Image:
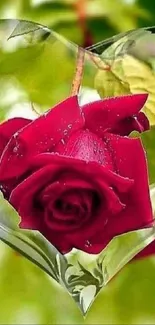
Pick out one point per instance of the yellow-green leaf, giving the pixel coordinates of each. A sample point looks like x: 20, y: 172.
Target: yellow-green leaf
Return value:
x: 109, y: 85
x: 129, y: 75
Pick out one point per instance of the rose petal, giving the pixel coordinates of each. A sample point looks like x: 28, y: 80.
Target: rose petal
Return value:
x: 138, y: 123
x: 122, y: 184
x: 66, y: 182
x: 84, y: 145
x: 100, y: 178
x: 42, y: 135
x: 111, y: 114
x: 8, y: 128
x: 131, y: 161
x: 143, y: 121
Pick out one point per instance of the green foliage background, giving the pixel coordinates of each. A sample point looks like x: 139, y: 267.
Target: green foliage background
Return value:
x: 27, y: 294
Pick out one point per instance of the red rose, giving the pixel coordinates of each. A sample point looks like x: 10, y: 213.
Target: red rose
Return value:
x: 74, y: 175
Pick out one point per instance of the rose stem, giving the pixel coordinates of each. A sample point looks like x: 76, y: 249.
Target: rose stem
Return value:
x: 80, y: 7
x: 79, y: 72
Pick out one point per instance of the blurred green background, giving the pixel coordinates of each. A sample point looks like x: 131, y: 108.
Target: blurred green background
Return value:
x: 27, y: 294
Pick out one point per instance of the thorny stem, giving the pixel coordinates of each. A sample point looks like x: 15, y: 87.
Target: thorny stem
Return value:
x: 79, y: 72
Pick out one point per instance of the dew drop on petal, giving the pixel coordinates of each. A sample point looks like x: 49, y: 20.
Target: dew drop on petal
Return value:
x: 15, y: 135
x: 62, y: 141
x: 65, y: 132
x: 15, y: 149
x: 88, y: 244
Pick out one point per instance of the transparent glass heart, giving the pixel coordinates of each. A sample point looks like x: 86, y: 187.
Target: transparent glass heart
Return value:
x: 37, y: 68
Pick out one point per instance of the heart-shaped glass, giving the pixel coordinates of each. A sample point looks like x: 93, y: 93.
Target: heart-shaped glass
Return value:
x: 38, y: 69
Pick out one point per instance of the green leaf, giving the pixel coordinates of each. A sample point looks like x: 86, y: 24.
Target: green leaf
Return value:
x: 109, y: 85
x: 131, y: 69
x: 129, y: 75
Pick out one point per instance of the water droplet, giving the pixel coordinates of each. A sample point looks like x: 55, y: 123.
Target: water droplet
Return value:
x: 15, y: 135
x: 88, y: 244
x: 95, y: 150
x: 95, y: 143
x: 100, y: 151
x: 69, y: 126
x: 65, y: 132
x: 62, y: 141
x: 15, y: 149
x: 118, y: 115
